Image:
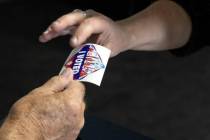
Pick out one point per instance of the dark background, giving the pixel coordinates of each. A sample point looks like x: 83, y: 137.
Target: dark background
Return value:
x: 153, y: 93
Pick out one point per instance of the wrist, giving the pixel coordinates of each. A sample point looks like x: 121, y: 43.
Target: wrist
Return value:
x: 19, y: 130
x: 144, y: 34
x: 127, y: 30
x: 163, y: 25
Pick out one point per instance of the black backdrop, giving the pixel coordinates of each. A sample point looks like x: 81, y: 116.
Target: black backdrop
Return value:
x: 154, y: 93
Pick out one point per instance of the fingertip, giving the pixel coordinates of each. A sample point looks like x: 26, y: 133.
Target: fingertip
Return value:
x: 67, y: 74
x: 60, y: 82
x: 74, y: 41
x: 42, y: 39
x: 55, y: 84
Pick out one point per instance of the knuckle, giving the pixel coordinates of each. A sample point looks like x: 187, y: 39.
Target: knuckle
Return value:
x: 56, y: 79
x: 90, y: 11
x: 95, y: 20
x: 87, y: 22
x: 75, y: 108
x: 36, y: 90
x: 78, y: 87
x: 15, y: 108
x: 76, y: 10
x: 82, y: 122
x: 55, y: 26
x: 92, y: 20
x: 18, y: 107
x: 64, y: 18
x: 60, y: 20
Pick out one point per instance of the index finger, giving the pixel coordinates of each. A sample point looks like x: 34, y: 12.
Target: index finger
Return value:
x: 62, y: 24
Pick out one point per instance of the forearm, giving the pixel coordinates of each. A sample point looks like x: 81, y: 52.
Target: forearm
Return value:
x: 163, y: 25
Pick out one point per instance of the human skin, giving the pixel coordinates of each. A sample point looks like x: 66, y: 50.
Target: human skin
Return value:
x: 56, y: 109
x: 163, y: 25
x: 51, y: 112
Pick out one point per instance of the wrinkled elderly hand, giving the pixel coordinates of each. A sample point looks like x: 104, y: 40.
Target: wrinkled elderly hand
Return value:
x: 51, y: 112
x: 89, y: 26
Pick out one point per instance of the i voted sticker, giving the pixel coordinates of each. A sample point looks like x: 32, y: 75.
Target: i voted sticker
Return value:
x: 88, y: 63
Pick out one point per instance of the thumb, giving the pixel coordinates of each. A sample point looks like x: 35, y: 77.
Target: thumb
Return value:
x: 59, y: 83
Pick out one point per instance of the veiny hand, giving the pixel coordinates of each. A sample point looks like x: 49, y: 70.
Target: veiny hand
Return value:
x: 54, y: 111
x: 89, y: 26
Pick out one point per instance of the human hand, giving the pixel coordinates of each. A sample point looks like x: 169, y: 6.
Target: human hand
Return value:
x: 89, y: 26
x: 53, y: 111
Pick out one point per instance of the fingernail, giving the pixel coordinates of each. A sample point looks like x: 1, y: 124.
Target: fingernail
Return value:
x: 49, y: 29
x: 74, y: 41
x: 56, y: 23
x: 66, y: 73
x: 46, y: 32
